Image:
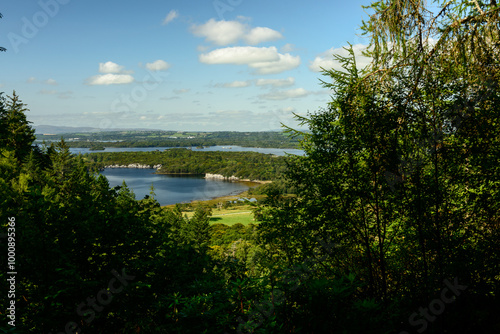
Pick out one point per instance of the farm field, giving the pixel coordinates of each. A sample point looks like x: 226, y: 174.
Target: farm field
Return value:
x: 241, y: 214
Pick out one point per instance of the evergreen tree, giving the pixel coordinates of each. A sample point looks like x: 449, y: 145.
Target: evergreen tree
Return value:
x: 17, y: 134
x: 400, y: 173
x: 198, y: 227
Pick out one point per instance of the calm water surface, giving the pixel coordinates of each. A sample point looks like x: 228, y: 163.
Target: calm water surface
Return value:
x: 171, y: 189
x: 177, y: 189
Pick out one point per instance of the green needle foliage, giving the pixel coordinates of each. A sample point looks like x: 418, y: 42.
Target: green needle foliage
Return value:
x: 401, y: 168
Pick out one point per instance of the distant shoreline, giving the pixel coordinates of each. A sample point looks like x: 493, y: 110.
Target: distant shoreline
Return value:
x: 209, y: 176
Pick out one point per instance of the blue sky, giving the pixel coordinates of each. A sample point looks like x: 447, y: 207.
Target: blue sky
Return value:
x: 210, y: 65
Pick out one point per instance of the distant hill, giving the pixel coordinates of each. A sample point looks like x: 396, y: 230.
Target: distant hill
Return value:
x: 52, y: 129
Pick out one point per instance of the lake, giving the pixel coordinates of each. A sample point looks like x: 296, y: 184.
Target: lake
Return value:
x: 171, y: 189
x: 275, y: 151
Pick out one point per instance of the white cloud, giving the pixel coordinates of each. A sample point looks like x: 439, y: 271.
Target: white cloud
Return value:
x: 158, y: 65
x: 285, y: 94
x: 31, y: 80
x: 114, y: 74
x: 237, y: 84
x: 265, y: 60
x: 220, y: 32
x: 229, y: 32
x: 172, y: 15
x: 110, y: 67
x: 240, y: 55
x: 283, y: 63
x: 110, y: 79
x: 325, y: 60
x: 51, y: 82
x: 262, y: 34
x: 276, y: 82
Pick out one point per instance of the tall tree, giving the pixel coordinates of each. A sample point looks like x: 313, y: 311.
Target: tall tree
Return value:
x: 401, y: 169
x: 17, y: 133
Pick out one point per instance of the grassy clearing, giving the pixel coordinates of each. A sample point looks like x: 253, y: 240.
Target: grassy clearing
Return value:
x: 233, y: 215
x: 236, y: 213
x: 244, y: 217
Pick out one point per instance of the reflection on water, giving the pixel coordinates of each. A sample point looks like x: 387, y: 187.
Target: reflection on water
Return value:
x: 171, y: 189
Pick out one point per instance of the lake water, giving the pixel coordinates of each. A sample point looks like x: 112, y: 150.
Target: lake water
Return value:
x: 171, y: 189
x: 275, y: 151
x: 177, y: 189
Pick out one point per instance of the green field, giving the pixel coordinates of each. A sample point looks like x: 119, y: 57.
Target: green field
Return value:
x: 243, y: 217
x: 241, y: 213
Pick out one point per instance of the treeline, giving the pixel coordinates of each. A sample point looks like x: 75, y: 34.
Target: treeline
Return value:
x: 245, y: 165
x: 174, y: 139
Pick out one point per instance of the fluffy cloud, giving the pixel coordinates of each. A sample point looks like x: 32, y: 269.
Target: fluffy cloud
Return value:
x: 172, y: 15
x: 265, y: 60
x: 276, y: 82
x: 240, y: 55
x: 158, y: 65
x: 114, y: 74
x: 220, y: 32
x: 261, y: 34
x: 110, y: 79
x: 285, y: 94
x: 325, y: 60
x: 110, y: 67
x: 283, y: 63
x: 229, y: 32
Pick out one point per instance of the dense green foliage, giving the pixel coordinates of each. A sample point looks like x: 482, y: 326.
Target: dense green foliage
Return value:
x: 400, y: 185
x: 174, y: 139
x: 15, y: 132
x: 245, y: 165
x: 94, y: 258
